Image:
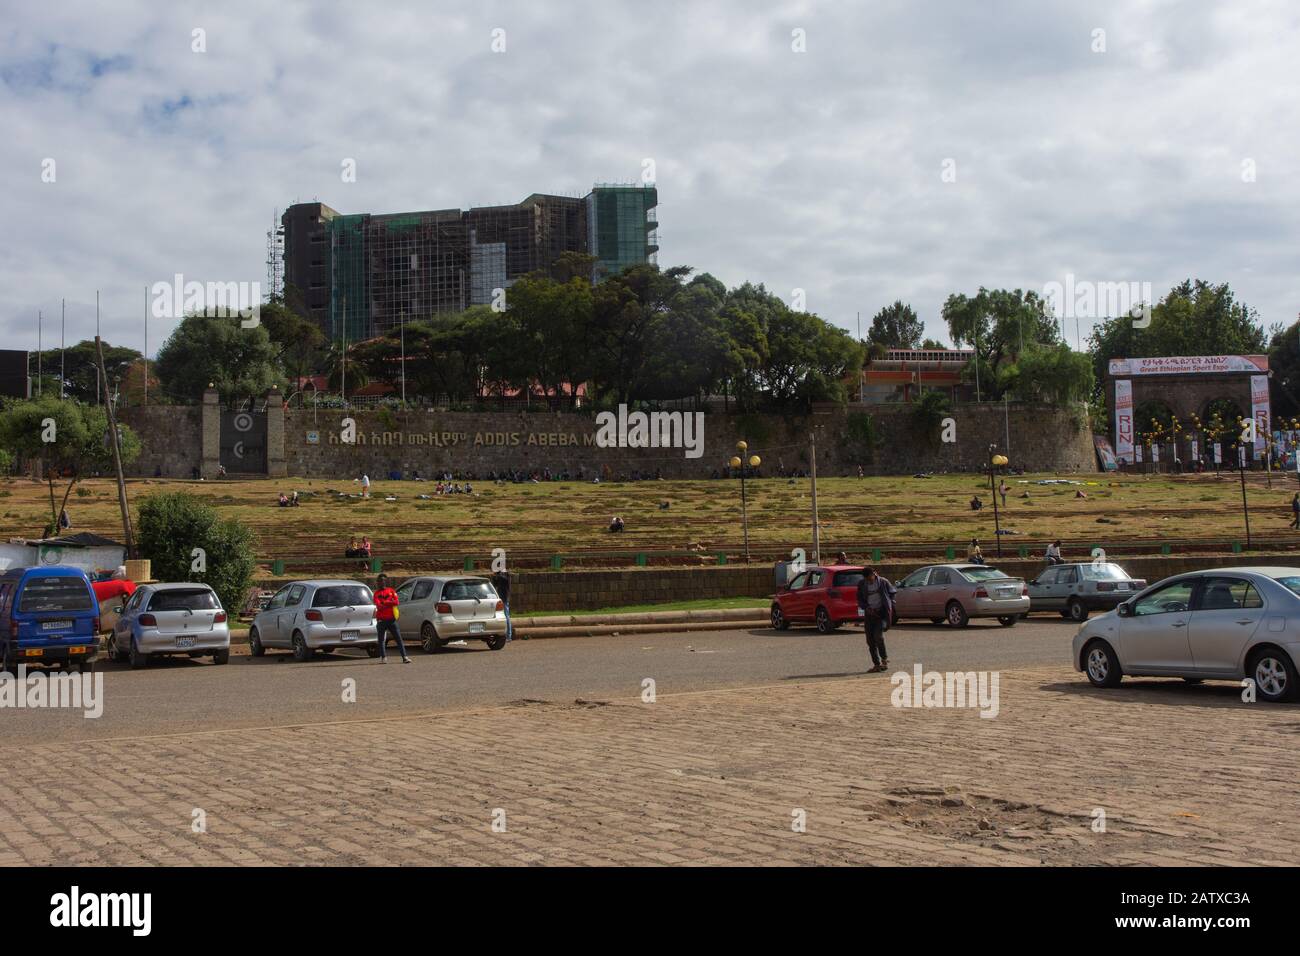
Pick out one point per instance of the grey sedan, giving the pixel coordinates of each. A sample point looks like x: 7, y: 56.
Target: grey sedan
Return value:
x: 438, y: 610
x: 170, y: 619
x: 311, y: 616
x: 1074, y: 590
x: 958, y: 592
x: 1220, y: 624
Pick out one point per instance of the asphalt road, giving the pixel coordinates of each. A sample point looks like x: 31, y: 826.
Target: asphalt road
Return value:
x: 182, y: 696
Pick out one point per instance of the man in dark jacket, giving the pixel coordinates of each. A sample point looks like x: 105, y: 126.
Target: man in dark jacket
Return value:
x: 876, y: 601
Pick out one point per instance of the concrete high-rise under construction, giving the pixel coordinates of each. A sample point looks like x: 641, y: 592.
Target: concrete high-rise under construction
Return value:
x: 361, y: 275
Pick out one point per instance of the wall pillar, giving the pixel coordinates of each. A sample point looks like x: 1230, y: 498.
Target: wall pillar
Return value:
x: 275, y: 463
x: 211, y: 434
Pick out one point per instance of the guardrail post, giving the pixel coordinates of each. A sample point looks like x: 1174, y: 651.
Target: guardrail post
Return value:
x: 876, y: 554
x: 469, y: 564
x: 1024, y: 551
x: 722, y: 557
x: 376, y: 565
x: 641, y: 559
x: 1165, y: 549
x: 557, y: 562
x: 1236, y: 547
x: 951, y: 553
x: 277, y: 567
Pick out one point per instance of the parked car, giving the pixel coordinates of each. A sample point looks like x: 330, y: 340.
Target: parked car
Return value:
x: 958, y: 592
x: 311, y: 616
x: 1075, y: 590
x: 1218, y: 624
x: 48, y: 616
x: 438, y: 610
x: 167, y: 619
x: 825, y: 596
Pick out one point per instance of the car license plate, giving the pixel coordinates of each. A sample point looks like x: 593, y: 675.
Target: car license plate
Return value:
x: 351, y: 635
x: 476, y: 628
x: 1006, y: 592
x: 55, y: 625
x: 184, y: 642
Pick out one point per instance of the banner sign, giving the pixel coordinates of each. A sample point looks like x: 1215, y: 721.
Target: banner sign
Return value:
x: 1123, y: 419
x: 1137, y: 454
x: 1196, y: 450
x: 1260, y: 410
x: 1188, y: 364
x: 1104, y: 453
x: 1218, y: 453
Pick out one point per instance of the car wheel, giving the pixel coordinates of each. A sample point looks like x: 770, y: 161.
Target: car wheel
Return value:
x: 7, y: 663
x: 496, y: 643
x: 301, y: 652
x: 1273, y: 673
x: 779, y: 621
x: 1075, y: 610
x: 137, y: 659
x: 956, y: 614
x: 221, y: 657
x: 429, y: 639
x: 1008, y: 620
x: 1101, y: 665
x: 372, y: 650
x: 114, y: 654
x: 824, y: 623
x: 1025, y: 616
x: 255, y: 643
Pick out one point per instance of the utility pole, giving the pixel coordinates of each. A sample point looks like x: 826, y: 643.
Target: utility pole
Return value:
x: 146, y: 346
x: 1245, y: 508
x: 403, y: 357
x: 100, y: 385
x: 117, y: 451
x: 63, y: 322
x: 817, y: 535
x: 40, y: 319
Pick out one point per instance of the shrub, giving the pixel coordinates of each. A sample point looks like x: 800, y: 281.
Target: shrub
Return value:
x: 172, y: 525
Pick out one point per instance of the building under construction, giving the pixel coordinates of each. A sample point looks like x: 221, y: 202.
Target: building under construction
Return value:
x: 361, y: 275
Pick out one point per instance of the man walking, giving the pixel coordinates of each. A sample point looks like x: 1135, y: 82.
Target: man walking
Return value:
x: 386, y: 602
x: 1295, y: 511
x: 877, y: 611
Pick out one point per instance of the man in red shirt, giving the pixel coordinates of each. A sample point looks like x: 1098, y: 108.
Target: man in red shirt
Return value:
x: 386, y: 602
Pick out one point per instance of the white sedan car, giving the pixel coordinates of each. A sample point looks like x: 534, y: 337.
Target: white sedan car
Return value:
x: 1219, y: 624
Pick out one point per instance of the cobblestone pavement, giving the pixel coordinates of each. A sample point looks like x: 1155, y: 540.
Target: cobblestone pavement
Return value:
x: 1185, y: 775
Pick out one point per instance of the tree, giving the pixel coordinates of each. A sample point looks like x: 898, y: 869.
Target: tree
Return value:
x: 1054, y: 374
x: 999, y: 324
x: 1284, y: 363
x: 241, y: 363
x: 1194, y: 318
x: 80, y: 365
x: 170, y: 528
x: 809, y: 360
x: 69, y: 439
x: 896, y: 327
x: 298, y: 341
x: 933, y: 344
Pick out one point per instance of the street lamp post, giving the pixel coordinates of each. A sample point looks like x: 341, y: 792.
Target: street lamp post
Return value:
x: 995, y: 461
x: 737, y: 461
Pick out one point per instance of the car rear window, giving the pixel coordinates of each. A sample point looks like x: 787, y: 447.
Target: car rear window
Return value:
x: 193, y: 599
x: 983, y: 574
x: 847, y: 579
x: 55, y: 594
x: 343, y: 595
x: 1290, y: 582
x: 468, y: 591
x: 1102, y: 572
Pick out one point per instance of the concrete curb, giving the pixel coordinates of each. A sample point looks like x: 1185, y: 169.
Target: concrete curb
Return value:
x: 599, y: 625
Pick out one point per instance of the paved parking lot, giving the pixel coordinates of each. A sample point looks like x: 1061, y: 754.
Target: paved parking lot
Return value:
x: 723, y: 774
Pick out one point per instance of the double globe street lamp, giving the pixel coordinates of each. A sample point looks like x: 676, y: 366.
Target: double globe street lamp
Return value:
x: 739, y: 461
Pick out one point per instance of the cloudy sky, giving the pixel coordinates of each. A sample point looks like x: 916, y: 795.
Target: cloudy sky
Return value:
x: 910, y: 150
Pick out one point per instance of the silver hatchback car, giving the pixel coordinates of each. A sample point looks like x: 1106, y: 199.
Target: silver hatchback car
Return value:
x: 169, y: 619
x: 1075, y: 590
x: 1219, y: 624
x: 311, y: 616
x: 439, y: 610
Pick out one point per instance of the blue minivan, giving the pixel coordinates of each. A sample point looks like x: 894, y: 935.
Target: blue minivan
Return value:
x: 48, y: 616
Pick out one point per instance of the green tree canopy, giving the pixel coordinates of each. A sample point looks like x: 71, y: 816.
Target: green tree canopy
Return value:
x: 896, y: 327
x: 172, y: 525
x: 241, y: 363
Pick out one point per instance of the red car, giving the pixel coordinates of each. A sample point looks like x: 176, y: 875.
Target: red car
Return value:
x: 826, y: 596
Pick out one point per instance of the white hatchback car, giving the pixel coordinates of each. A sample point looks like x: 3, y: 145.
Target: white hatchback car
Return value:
x: 311, y: 616
x: 1218, y: 624
x: 438, y: 610
x: 170, y: 619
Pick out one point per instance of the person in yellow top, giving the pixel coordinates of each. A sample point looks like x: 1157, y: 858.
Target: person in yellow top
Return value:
x: 974, y: 555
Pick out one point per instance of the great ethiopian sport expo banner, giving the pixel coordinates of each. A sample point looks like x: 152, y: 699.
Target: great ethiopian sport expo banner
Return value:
x: 1260, y: 411
x: 1187, y: 364
x: 1124, y: 420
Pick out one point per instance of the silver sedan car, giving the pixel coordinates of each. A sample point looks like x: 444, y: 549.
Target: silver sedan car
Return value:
x: 958, y: 592
x: 438, y: 610
x: 311, y: 616
x: 168, y: 619
x: 1075, y: 590
x: 1219, y: 624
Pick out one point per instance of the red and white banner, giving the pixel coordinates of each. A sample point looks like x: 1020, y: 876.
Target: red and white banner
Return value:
x: 1188, y: 364
x: 1260, y: 411
x: 1124, y: 420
